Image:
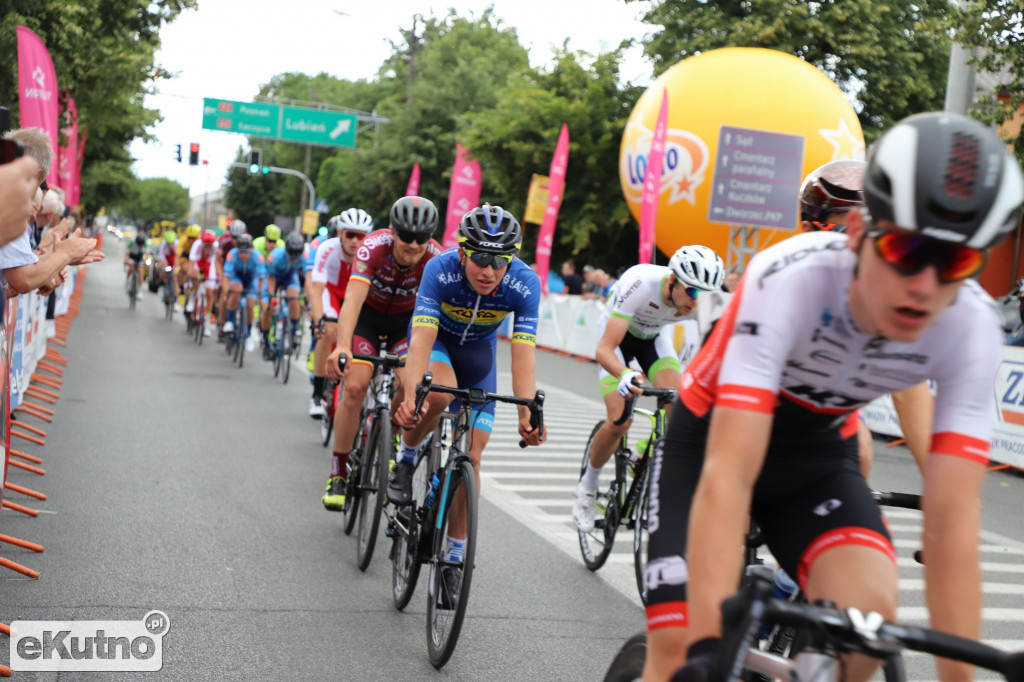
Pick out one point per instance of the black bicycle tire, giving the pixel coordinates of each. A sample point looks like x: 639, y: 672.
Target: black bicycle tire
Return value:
x: 639, y: 524
x: 628, y: 664
x: 201, y: 332
x: 405, y: 550
x: 133, y: 288
x: 286, y: 359
x: 359, y: 449
x: 368, y: 504
x: 243, y: 331
x: 440, y: 649
x: 595, y: 560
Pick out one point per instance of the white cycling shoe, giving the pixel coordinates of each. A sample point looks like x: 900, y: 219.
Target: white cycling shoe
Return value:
x: 229, y: 327
x: 583, y: 509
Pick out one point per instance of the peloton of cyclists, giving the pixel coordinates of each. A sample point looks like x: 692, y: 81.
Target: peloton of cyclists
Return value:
x: 379, y: 300
x: 330, y: 273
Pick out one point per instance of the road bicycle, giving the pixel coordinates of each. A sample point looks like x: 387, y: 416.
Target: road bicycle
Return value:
x: 169, y: 292
x: 198, y: 314
x: 281, y: 336
x: 133, y: 286
x: 371, y: 455
x: 624, y: 501
x: 777, y: 639
x: 235, y: 341
x: 443, y: 475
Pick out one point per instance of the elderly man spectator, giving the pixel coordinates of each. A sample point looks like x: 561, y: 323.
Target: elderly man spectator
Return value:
x: 19, y: 181
x: 21, y: 270
x: 573, y: 282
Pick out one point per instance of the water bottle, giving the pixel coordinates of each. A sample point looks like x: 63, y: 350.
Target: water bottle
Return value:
x: 636, y: 454
x: 434, y: 482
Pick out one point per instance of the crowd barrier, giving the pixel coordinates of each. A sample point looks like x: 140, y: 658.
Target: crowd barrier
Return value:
x: 569, y: 324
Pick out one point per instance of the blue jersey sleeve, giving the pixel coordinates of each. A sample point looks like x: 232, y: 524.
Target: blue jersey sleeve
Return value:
x: 427, y: 312
x: 526, y: 285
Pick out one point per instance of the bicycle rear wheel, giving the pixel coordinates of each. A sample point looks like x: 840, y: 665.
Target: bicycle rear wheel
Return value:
x: 447, y: 598
x: 406, y: 558
x: 286, y: 359
x: 368, y: 504
x: 201, y: 312
x: 133, y: 289
x: 640, y: 534
x: 242, y: 332
x: 360, y: 454
x: 327, y: 421
x: 596, y: 545
x: 628, y: 664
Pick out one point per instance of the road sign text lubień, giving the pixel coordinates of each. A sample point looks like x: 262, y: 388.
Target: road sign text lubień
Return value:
x: 289, y: 124
x: 757, y: 178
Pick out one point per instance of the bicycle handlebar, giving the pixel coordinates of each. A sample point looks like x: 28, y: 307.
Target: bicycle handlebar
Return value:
x: 477, y: 396
x: 743, y: 614
x: 664, y: 396
x: 902, y: 500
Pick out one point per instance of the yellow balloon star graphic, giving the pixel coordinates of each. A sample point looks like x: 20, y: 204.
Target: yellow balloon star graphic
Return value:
x: 845, y: 144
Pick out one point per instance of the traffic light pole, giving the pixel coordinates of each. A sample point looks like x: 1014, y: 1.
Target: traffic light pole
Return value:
x: 288, y: 171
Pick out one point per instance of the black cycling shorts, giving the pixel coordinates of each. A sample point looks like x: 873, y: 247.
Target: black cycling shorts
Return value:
x: 374, y: 326
x: 810, y: 495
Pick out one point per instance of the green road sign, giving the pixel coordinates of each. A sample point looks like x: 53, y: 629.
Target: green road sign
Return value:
x: 249, y: 118
x: 315, y: 126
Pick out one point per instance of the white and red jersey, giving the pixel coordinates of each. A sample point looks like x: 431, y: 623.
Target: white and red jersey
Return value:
x: 167, y: 253
x: 330, y: 269
x: 204, y: 258
x: 788, y: 345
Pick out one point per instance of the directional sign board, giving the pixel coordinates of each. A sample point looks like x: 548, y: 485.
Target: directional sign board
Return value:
x: 249, y: 118
x: 289, y: 124
x: 757, y: 178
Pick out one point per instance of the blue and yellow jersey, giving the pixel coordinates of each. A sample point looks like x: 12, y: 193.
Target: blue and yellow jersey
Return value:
x: 446, y: 301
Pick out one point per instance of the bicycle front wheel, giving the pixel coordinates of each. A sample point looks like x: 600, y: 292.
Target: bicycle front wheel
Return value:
x: 243, y: 332
x: 368, y: 505
x: 450, y: 581
x: 640, y: 534
x: 406, y: 559
x: 596, y: 545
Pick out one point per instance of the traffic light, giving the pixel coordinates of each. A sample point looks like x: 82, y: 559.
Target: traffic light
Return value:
x: 193, y: 154
x: 255, y: 161
x: 178, y: 152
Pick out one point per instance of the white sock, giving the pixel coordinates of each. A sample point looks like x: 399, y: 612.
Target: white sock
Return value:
x: 590, y: 476
x: 407, y: 453
x: 453, y: 548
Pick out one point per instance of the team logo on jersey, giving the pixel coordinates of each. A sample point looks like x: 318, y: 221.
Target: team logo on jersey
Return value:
x: 749, y: 328
x: 827, y: 507
x: 826, y: 317
x: 360, y: 266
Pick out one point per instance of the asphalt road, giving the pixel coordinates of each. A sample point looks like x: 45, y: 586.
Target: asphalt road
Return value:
x: 180, y: 483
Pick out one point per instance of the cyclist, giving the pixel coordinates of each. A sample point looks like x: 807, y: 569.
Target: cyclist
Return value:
x: 181, y: 273
x: 284, y: 272
x: 245, y: 270
x: 225, y: 243
x: 331, y: 270
x: 820, y: 324
x: 167, y: 255
x: 465, y: 295
x: 270, y: 240
x: 200, y: 267
x: 133, y: 261
x: 827, y: 196
x: 308, y: 258
x: 385, y: 276
x: 636, y: 324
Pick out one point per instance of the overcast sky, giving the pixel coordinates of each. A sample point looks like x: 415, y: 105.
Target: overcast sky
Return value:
x: 228, y: 48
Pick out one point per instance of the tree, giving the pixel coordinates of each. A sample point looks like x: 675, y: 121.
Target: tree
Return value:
x: 155, y: 199
x: 889, y: 56
x: 252, y: 197
x: 103, y: 53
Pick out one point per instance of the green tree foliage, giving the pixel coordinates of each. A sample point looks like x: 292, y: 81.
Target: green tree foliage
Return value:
x: 995, y: 29
x: 252, y: 197
x: 102, y: 51
x: 155, y: 199
x: 891, y: 56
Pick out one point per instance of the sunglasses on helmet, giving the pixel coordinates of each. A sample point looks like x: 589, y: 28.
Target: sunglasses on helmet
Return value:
x: 484, y: 259
x: 410, y: 237
x: 910, y: 253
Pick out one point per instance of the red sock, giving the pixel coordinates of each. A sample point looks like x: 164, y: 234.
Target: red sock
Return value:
x: 338, y: 462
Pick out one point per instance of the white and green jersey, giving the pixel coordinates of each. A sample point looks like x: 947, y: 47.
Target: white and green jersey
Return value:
x: 637, y: 297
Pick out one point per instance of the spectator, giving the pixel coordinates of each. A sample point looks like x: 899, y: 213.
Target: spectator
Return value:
x: 605, y: 284
x: 1017, y: 337
x: 19, y: 181
x: 573, y: 282
x: 731, y: 280
x: 22, y: 271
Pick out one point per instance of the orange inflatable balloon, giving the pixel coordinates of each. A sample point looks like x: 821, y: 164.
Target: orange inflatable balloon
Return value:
x: 745, y: 125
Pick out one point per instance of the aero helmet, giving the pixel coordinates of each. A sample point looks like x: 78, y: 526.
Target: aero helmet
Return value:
x: 237, y: 228
x: 294, y: 244
x: 698, y: 266
x: 414, y: 214
x: 170, y: 236
x: 490, y: 229
x: 272, y: 232
x: 193, y: 231
x: 946, y: 176
x: 355, y: 220
x: 208, y: 237
x: 834, y: 187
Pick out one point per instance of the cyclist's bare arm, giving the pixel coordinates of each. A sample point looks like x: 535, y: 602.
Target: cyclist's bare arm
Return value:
x: 614, y: 332
x: 524, y: 385
x: 915, y: 408
x: 355, y: 295
x: 316, y: 302
x: 421, y: 340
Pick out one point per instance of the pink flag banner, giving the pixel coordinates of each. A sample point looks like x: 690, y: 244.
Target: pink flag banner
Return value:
x: 652, y: 184
x: 78, y: 169
x: 37, y: 91
x: 67, y: 157
x: 556, y: 187
x: 413, y: 188
x: 463, y: 194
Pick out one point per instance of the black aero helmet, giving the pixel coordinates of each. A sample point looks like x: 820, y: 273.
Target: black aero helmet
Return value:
x: 294, y: 244
x: 244, y: 242
x: 946, y: 176
x: 490, y: 229
x: 414, y: 214
x: 831, y: 188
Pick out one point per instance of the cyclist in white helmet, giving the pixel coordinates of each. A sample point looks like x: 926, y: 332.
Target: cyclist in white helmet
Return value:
x: 225, y: 243
x: 637, y: 325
